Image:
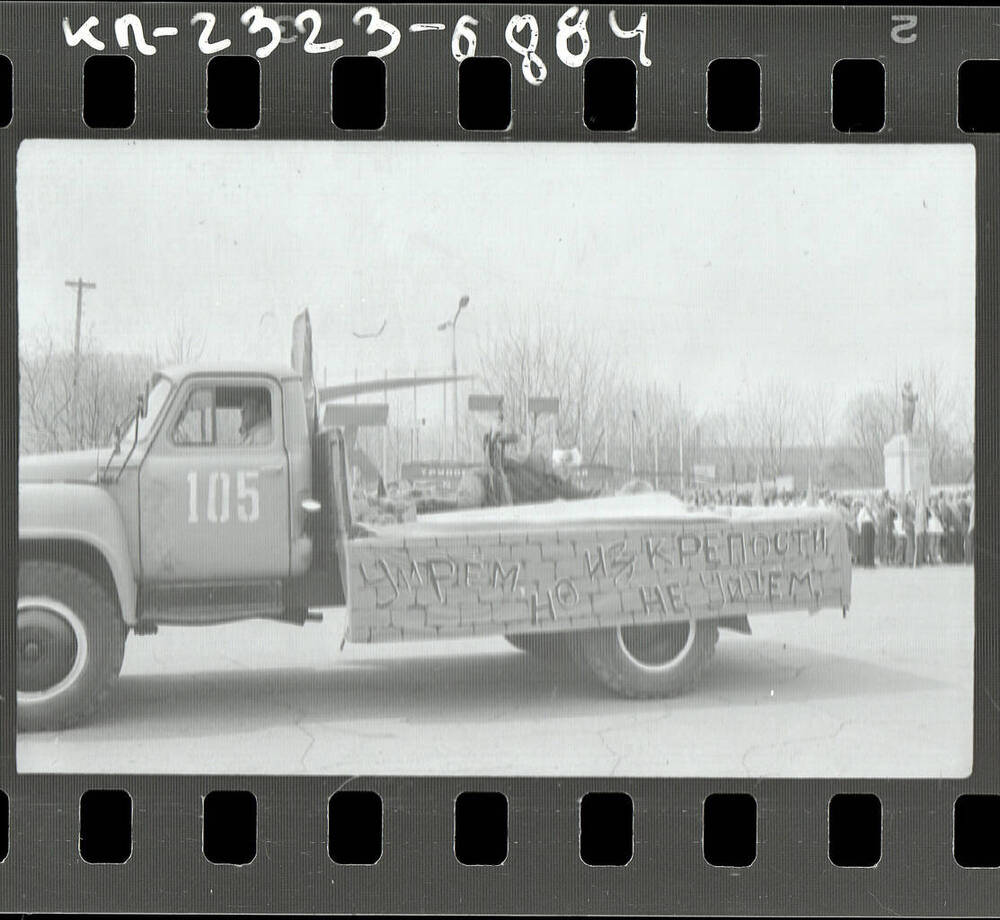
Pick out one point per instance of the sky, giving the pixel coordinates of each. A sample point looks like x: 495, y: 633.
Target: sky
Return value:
x: 707, y: 265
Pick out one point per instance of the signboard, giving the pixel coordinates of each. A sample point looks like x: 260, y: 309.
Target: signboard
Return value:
x: 355, y: 415
x: 453, y: 581
x: 591, y: 475
x: 479, y: 402
x: 781, y: 484
x: 703, y: 472
x: 543, y: 405
x: 440, y: 474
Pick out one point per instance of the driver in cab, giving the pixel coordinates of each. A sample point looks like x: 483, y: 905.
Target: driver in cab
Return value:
x: 255, y: 427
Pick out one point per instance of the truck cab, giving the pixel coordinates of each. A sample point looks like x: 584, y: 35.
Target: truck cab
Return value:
x: 209, y: 485
x: 220, y: 492
x: 203, y: 512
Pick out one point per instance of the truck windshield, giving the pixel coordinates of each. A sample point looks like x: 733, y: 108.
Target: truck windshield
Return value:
x: 158, y: 393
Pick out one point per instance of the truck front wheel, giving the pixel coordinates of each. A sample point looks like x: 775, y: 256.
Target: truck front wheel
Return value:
x: 70, y: 644
x: 649, y: 661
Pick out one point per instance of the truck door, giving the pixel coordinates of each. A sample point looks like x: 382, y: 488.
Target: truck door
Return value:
x: 213, y: 489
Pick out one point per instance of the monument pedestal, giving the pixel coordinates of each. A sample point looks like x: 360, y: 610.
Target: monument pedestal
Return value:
x: 907, y: 465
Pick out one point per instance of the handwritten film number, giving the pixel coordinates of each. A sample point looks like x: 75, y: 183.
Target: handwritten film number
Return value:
x: 522, y: 35
x: 902, y: 32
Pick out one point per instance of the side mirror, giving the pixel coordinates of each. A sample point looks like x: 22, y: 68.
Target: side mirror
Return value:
x: 140, y: 401
x: 118, y: 437
x: 311, y: 506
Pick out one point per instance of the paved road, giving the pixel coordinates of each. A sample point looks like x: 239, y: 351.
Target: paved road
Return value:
x: 885, y: 692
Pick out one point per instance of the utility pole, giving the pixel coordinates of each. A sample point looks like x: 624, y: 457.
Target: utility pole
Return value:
x: 80, y: 285
x: 463, y: 302
x: 454, y: 373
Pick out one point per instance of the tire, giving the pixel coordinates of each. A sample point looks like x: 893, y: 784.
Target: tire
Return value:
x: 550, y: 646
x: 70, y: 643
x: 649, y: 661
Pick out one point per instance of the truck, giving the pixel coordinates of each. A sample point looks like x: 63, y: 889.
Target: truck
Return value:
x: 226, y: 497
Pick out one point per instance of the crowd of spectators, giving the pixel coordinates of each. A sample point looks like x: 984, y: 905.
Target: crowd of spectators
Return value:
x: 882, y: 529
x: 930, y: 527
x: 915, y: 530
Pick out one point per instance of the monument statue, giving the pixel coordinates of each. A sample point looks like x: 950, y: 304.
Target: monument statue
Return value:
x: 907, y: 461
x: 909, y: 407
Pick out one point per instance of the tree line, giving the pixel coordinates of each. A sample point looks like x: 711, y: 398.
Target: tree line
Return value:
x: 626, y: 423
x: 645, y: 425
x: 70, y: 401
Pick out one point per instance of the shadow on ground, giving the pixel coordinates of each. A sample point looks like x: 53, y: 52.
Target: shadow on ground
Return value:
x: 490, y: 687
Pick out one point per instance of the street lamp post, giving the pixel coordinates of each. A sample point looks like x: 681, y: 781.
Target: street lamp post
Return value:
x: 385, y: 393
x: 462, y: 304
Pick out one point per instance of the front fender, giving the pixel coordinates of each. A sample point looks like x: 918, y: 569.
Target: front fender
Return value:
x: 86, y: 514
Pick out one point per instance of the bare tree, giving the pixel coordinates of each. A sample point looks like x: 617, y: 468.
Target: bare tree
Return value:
x: 677, y: 429
x: 937, y: 417
x: 182, y: 346
x: 765, y: 420
x: 725, y: 431
x: 868, y: 424
x: 964, y: 440
x: 45, y: 405
x: 818, y: 421
x: 573, y: 365
x: 107, y: 387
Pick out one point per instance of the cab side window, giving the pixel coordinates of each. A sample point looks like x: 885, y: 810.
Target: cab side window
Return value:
x: 243, y: 416
x: 195, y: 425
x: 226, y: 416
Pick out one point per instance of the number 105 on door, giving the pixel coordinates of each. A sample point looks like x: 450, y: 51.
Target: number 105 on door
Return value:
x: 215, y: 496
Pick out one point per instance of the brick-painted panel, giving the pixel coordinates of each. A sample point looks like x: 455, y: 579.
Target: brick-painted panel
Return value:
x: 425, y: 586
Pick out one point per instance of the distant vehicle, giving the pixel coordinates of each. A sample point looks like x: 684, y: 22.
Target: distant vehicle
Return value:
x: 226, y: 498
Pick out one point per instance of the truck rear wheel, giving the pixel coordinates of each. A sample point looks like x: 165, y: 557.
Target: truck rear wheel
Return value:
x: 649, y: 661
x: 70, y: 644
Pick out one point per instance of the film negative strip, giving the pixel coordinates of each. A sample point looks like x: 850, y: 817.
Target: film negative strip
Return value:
x: 490, y: 458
